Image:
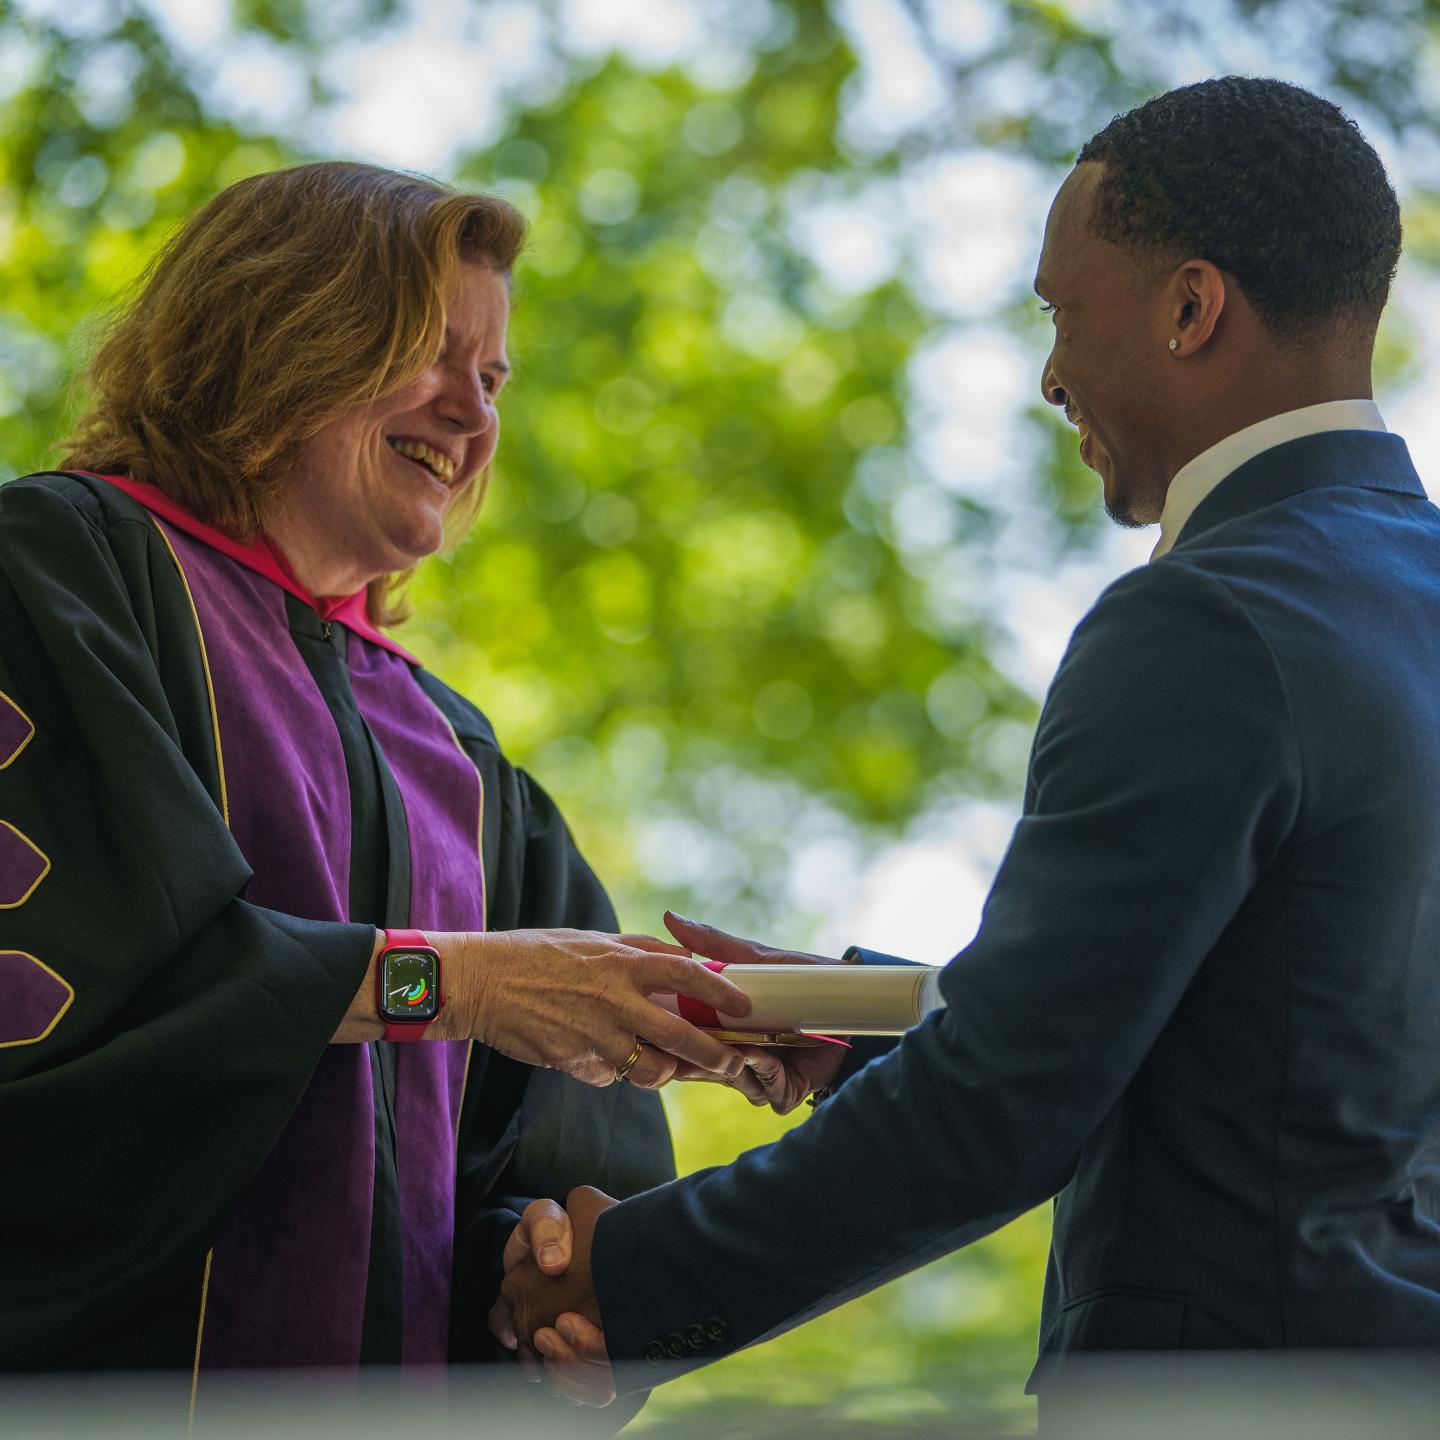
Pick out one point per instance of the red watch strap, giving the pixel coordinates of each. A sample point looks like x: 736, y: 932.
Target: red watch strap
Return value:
x: 408, y: 940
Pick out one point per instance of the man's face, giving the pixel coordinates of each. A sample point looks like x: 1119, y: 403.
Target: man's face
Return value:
x: 1104, y: 363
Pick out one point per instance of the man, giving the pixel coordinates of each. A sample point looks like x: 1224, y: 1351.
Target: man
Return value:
x: 1203, y: 1006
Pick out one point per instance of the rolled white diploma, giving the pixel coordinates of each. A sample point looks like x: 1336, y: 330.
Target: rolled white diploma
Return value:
x: 823, y: 999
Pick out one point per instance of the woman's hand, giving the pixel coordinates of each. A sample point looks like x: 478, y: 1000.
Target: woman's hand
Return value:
x: 576, y: 1000
x: 779, y: 1076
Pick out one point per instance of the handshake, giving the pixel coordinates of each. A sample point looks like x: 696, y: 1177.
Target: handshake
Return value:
x: 548, y: 1312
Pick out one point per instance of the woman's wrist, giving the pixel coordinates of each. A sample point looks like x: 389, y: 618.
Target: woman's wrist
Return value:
x: 471, y: 962
x: 361, y: 1021
x: 467, y: 969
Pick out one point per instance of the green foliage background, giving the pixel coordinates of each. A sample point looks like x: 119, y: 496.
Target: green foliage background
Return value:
x: 691, y: 606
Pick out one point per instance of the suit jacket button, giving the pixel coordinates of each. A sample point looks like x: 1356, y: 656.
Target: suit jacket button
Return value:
x: 695, y: 1337
x: 675, y: 1347
x: 655, y: 1353
x: 717, y: 1329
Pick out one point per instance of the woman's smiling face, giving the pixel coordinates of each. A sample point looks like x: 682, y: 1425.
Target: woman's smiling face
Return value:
x: 371, y: 490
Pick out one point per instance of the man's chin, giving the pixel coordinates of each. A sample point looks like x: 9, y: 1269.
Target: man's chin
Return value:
x: 1122, y: 516
x: 1121, y: 504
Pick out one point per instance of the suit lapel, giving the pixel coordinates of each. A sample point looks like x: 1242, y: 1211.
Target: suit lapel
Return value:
x: 1360, y: 459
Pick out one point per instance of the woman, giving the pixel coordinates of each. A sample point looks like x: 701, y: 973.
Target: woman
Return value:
x: 221, y: 784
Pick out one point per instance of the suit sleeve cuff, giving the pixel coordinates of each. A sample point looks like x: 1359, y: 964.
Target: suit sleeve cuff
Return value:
x: 855, y: 955
x: 866, y: 1048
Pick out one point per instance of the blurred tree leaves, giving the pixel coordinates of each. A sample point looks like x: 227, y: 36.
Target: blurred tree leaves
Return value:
x: 713, y: 547
x: 692, y: 529
x: 106, y: 146
x: 720, y: 599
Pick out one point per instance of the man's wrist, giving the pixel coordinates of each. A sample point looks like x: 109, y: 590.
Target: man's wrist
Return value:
x: 858, y: 955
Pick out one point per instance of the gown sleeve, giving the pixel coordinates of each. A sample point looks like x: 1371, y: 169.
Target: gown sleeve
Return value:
x: 156, y: 1030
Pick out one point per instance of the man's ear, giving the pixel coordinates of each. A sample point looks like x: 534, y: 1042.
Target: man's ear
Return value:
x: 1197, y: 299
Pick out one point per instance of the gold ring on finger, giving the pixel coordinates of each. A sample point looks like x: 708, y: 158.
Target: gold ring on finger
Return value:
x: 621, y: 1071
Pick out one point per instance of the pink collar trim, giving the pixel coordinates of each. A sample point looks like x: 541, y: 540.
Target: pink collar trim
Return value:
x: 262, y: 556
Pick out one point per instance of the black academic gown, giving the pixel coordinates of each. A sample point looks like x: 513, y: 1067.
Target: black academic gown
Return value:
x: 163, y: 1028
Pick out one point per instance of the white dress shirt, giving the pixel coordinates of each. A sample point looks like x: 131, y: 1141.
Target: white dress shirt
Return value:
x: 1194, y: 481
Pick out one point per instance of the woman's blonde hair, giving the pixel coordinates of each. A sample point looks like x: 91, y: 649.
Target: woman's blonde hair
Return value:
x: 281, y: 303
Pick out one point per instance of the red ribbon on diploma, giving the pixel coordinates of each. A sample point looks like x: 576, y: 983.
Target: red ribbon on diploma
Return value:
x: 697, y: 1012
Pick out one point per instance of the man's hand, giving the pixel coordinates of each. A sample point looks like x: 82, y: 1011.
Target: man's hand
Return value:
x: 779, y: 1076
x: 577, y: 1361
x: 716, y: 944
x: 573, y: 1349
x: 543, y: 1298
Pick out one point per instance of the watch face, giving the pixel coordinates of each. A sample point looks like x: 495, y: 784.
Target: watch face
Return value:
x: 409, y: 991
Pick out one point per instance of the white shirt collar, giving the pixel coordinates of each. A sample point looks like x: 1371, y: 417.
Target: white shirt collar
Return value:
x: 1194, y: 481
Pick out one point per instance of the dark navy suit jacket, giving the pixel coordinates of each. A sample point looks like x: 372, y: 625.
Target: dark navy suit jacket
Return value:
x: 1203, y: 1005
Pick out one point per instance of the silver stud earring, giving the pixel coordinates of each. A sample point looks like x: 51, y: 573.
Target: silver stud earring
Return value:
x: 1174, y: 344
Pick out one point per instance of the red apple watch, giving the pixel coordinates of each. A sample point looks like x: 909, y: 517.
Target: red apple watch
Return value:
x: 407, y: 981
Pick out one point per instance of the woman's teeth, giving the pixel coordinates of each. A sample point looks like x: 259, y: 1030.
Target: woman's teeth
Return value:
x: 439, y: 465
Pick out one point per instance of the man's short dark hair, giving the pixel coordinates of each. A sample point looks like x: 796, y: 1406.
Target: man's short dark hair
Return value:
x: 1263, y: 179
